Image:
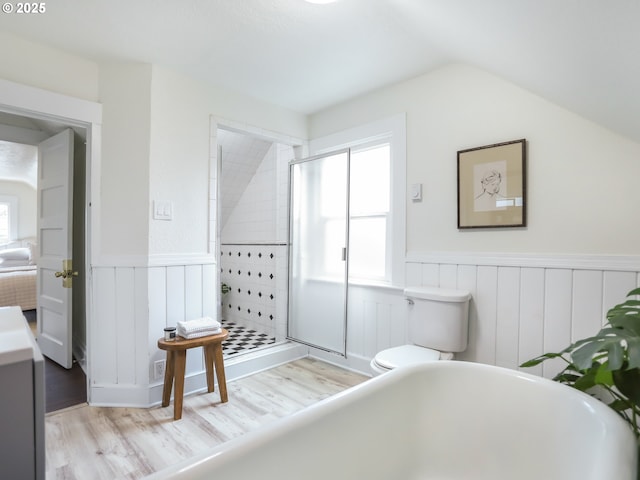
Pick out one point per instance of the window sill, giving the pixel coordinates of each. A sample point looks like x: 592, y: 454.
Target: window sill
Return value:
x: 378, y: 285
x: 361, y: 283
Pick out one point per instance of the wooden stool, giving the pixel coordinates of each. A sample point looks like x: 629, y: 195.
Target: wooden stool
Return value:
x: 176, y: 360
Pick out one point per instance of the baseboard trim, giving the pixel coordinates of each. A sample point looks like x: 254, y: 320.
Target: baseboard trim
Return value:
x: 235, y: 368
x: 355, y: 363
x: 118, y: 396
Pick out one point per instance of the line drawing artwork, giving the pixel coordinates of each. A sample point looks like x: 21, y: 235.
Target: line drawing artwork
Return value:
x: 489, y: 185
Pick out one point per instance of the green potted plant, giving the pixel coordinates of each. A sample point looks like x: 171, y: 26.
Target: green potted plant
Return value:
x: 607, y: 365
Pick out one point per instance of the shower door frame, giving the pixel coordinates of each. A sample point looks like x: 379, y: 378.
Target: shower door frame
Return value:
x: 345, y: 251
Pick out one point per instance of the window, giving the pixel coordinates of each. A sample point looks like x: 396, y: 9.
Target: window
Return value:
x: 8, y: 218
x: 369, y: 209
x: 4, y: 222
x: 377, y: 199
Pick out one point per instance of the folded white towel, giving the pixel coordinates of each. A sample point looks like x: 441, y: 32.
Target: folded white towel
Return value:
x: 203, y: 333
x: 197, y: 325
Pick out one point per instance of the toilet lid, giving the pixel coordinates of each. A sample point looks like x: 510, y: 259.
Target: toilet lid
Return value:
x: 406, y: 355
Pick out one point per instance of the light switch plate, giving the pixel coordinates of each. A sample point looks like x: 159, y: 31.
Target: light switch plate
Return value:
x: 162, y: 210
x: 416, y: 191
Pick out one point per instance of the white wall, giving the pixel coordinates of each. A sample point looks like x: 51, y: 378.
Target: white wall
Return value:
x: 27, y: 215
x: 578, y: 256
x: 40, y: 66
x: 124, y: 169
x: 155, y: 145
x: 176, y: 280
x: 582, y: 186
x: 181, y: 147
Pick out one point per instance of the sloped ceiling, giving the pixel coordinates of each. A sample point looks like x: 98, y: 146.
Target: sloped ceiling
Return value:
x: 241, y: 156
x: 581, y: 54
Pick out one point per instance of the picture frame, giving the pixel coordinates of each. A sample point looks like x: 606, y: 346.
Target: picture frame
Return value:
x: 492, y: 186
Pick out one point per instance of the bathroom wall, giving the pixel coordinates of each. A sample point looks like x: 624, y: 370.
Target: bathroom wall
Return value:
x: 525, y: 305
x: 25, y: 63
x: 574, y: 165
x: 154, y: 273
x: 182, y: 154
x: 535, y: 289
x: 177, y: 280
x: 145, y: 273
x: 27, y: 215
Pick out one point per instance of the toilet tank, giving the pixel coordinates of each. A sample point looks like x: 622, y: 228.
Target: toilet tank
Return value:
x: 438, y: 318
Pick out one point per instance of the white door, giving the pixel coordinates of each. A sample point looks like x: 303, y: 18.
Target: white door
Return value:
x: 55, y: 192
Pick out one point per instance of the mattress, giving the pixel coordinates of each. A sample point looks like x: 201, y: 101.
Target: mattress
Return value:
x: 18, y: 287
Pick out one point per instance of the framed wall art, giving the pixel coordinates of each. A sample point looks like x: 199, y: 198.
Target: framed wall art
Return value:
x: 492, y: 186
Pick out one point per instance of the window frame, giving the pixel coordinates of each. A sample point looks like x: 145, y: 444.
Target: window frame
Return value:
x: 390, y: 130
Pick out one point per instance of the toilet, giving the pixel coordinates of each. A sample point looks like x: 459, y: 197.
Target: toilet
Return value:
x: 438, y: 321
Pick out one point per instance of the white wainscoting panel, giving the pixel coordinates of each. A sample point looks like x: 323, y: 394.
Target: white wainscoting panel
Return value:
x: 521, y: 307
x: 132, y: 305
x: 525, y: 306
x: 376, y: 319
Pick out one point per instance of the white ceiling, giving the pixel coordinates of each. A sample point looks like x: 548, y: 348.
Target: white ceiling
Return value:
x: 581, y: 54
x: 18, y: 162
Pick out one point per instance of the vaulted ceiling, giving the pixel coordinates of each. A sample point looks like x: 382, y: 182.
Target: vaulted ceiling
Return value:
x: 581, y: 54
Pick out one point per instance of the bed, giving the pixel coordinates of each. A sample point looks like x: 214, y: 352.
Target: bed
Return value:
x: 17, y: 278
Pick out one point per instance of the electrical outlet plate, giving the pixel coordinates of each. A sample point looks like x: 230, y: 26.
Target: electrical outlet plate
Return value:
x: 158, y: 368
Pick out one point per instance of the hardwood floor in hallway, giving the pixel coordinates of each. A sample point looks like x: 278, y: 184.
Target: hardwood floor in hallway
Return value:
x: 129, y: 443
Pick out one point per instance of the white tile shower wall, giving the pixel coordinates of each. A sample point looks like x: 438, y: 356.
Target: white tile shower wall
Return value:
x: 253, y: 219
x: 241, y: 157
x: 255, y: 276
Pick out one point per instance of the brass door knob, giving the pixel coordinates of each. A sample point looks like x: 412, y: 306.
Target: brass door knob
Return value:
x: 67, y: 273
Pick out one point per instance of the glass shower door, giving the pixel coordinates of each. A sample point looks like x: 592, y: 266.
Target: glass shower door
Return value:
x: 319, y: 230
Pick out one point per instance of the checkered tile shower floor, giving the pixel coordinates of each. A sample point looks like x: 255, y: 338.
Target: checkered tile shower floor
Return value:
x: 241, y: 339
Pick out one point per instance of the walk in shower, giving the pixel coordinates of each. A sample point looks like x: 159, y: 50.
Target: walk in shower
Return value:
x: 253, y: 236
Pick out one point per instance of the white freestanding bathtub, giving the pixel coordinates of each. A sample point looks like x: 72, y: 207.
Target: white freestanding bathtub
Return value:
x: 446, y: 420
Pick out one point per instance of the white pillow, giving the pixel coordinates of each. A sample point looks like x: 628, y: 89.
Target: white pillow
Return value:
x: 33, y: 253
x: 13, y: 263
x: 23, y: 254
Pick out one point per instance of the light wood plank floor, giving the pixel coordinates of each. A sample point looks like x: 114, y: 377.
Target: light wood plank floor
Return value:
x: 111, y: 443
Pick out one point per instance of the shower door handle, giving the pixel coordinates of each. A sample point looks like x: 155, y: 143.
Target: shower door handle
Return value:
x: 344, y: 254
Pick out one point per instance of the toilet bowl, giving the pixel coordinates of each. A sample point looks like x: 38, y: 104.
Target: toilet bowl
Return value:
x: 438, y: 326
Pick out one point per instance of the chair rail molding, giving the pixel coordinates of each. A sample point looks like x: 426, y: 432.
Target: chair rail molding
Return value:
x: 622, y: 263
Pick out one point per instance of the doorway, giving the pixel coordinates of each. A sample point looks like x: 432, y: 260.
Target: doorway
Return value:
x: 251, y: 232
x: 24, y: 132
